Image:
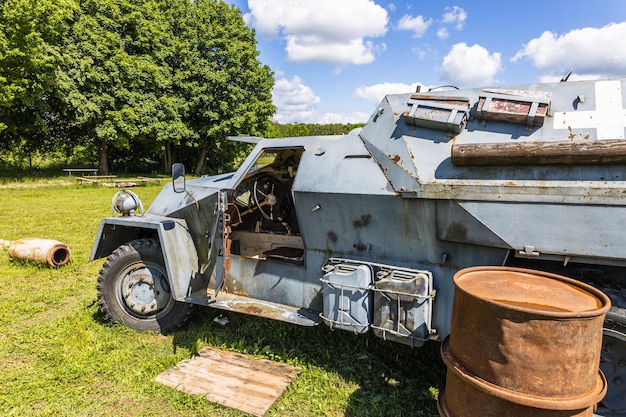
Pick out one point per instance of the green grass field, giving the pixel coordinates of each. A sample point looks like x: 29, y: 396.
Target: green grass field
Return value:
x: 59, y: 357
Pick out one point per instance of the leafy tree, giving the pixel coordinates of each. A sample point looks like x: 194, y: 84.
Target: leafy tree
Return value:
x: 217, y: 73
x: 30, y: 35
x: 118, y: 89
x: 148, y: 77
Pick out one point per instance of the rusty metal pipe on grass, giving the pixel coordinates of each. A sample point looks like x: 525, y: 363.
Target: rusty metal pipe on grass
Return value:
x: 48, y: 252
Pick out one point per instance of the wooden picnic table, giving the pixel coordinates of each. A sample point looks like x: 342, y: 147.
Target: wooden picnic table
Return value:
x: 81, y: 170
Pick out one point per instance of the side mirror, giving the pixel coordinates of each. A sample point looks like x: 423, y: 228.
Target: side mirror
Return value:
x: 178, y: 178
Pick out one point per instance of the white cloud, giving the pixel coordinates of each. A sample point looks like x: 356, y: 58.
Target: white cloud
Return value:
x: 418, y: 25
x: 587, y: 51
x: 375, y: 93
x: 455, y: 16
x: 422, y: 51
x: 327, y: 31
x: 296, y: 103
x: 443, y: 33
x: 314, y: 49
x: 293, y: 96
x: 469, y: 65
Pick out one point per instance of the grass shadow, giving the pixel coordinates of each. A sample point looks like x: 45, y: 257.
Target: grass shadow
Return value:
x: 387, y: 378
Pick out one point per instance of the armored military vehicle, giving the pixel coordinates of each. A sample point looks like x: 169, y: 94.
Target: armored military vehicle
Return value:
x: 365, y: 231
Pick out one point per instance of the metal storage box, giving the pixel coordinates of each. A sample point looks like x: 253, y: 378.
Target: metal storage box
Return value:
x: 522, y: 107
x: 441, y: 113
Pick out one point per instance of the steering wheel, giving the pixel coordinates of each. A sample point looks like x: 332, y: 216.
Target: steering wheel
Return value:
x: 272, y: 198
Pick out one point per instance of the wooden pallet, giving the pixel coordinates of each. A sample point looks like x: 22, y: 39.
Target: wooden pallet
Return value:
x: 231, y: 379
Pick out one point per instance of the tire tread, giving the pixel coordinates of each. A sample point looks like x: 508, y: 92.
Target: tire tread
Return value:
x: 138, y: 248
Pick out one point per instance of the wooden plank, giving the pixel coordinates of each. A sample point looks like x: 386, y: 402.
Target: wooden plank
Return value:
x: 240, y: 360
x: 87, y: 180
x: 127, y: 180
x: 599, y: 152
x: 231, y: 379
x: 94, y: 179
x: 148, y: 179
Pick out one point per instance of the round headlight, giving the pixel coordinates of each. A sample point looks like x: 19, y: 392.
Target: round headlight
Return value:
x: 126, y: 204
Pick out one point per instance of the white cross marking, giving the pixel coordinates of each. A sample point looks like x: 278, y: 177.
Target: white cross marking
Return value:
x: 609, y: 117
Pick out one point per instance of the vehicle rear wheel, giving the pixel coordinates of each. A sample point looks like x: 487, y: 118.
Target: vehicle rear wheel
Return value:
x: 133, y: 289
x: 613, y: 363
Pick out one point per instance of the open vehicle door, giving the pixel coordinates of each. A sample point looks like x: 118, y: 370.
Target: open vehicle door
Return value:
x: 219, y: 229
x: 218, y: 240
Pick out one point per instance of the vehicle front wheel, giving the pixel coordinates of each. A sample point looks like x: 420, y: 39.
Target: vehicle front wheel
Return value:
x: 133, y: 289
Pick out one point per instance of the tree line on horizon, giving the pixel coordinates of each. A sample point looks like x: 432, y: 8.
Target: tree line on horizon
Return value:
x: 136, y: 84
x: 278, y: 130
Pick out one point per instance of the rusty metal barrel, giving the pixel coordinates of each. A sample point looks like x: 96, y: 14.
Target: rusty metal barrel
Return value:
x: 525, y: 343
x: 45, y: 251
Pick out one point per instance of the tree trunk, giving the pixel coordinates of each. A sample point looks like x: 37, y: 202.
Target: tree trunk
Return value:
x: 103, y: 165
x: 167, y: 158
x: 201, y: 160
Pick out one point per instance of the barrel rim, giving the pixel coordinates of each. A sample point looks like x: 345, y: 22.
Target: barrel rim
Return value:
x: 442, y: 405
x: 577, y: 402
x: 65, y: 254
x: 604, y: 299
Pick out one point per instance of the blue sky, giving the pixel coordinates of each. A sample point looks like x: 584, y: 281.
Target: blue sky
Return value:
x: 334, y: 60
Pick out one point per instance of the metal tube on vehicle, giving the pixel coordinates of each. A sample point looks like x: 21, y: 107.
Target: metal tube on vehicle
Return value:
x: 44, y: 251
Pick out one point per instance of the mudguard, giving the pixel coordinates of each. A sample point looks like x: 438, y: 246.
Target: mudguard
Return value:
x: 179, y: 252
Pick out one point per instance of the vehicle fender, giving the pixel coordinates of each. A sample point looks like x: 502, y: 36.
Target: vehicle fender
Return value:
x: 179, y: 251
